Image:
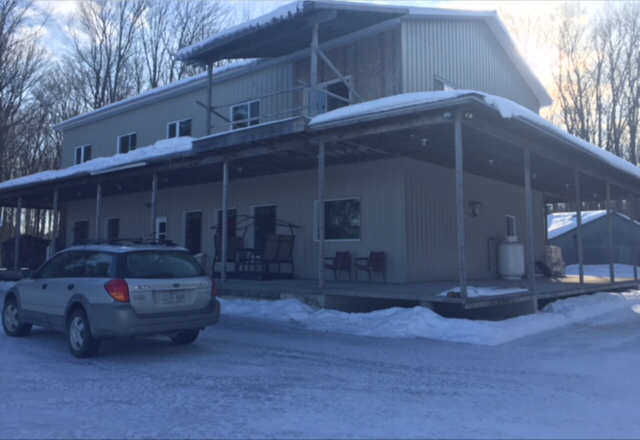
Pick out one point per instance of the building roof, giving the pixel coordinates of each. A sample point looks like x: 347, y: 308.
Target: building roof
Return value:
x: 560, y: 223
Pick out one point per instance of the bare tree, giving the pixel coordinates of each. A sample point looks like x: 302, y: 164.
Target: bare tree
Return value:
x: 169, y: 26
x: 102, y: 39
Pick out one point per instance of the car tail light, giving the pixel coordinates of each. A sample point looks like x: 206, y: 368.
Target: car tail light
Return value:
x: 118, y: 289
x: 214, y: 288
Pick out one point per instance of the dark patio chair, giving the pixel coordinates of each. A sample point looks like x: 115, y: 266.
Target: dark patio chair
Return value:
x: 235, y: 251
x: 341, y: 261
x: 374, y: 263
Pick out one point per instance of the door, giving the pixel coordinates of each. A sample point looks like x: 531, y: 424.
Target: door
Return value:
x: 264, y: 224
x: 193, y: 232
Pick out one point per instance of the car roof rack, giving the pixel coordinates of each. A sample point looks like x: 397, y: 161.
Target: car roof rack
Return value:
x: 138, y: 240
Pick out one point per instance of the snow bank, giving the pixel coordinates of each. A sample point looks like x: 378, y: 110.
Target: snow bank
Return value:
x: 420, y: 322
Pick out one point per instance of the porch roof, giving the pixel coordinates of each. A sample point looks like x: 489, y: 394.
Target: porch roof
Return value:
x: 493, y: 147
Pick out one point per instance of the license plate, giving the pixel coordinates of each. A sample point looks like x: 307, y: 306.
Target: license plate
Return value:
x: 175, y: 297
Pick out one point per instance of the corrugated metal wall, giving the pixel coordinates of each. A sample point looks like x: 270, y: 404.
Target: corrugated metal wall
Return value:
x: 432, y: 249
x: 150, y: 121
x: 464, y: 53
x: 379, y: 185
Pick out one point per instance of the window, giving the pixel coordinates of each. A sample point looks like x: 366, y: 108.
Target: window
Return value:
x: 331, y: 96
x: 98, y: 264
x: 246, y: 115
x: 113, y: 228
x: 161, y: 228
x: 179, y: 128
x: 54, y: 267
x: 511, y: 226
x: 127, y: 142
x: 80, y: 230
x: 231, y: 222
x: 263, y: 225
x: 83, y: 154
x: 193, y: 231
x: 341, y: 219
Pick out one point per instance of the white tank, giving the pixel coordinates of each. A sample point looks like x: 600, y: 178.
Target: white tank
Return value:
x: 511, y: 259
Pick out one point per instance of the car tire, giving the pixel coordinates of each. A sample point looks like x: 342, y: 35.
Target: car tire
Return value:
x: 184, y: 337
x: 11, y: 320
x: 81, y: 343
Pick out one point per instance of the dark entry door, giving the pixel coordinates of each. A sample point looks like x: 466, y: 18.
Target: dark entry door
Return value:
x: 264, y: 224
x: 193, y: 232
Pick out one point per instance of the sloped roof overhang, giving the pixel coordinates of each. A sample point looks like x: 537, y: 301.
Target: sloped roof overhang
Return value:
x: 492, y: 147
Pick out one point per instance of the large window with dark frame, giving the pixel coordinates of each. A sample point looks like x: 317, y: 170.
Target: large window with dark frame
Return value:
x: 127, y: 142
x: 341, y: 219
x: 245, y: 115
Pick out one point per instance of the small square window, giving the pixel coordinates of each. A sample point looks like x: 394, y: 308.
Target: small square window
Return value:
x: 127, y: 142
x: 245, y: 115
x: 179, y: 128
x: 83, y: 154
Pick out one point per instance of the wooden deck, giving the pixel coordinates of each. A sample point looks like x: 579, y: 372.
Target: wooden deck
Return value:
x: 426, y: 294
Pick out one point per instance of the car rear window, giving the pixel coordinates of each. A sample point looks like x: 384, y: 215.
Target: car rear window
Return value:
x: 161, y: 264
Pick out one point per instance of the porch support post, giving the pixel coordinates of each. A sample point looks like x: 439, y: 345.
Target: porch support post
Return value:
x: 225, y: 223
x: 98, y: 209
x: 209, y: 95
x: 579, y: 229
x: 313, y: 105
x: 154, y: 200
x: 16, y: 250
x: 529, y: 212
x: 634, y: 245
x: 54, y: 226
x: 460, y: 211
x: 321, y: 224
x: 612, y: 274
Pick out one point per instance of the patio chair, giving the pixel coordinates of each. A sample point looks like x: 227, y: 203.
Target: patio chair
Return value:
x: 375, y: 262
x: 278, y: 249
x: 235, y: 251
x: 341, y: 261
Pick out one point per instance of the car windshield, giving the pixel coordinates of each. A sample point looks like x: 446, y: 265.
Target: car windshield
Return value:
x: 162, y: 264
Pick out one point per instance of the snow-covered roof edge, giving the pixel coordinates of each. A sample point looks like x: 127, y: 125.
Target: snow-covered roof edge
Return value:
x: 406, y: 102
x: 153, y: 95
x: 138, y: 157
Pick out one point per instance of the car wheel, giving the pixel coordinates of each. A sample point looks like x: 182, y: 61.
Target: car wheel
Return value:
x: 81, y: 343
x: 11, y: 320
x: 185, y: 337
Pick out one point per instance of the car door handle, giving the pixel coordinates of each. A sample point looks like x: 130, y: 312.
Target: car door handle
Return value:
x: 70, y: 286
x: 44, y: 286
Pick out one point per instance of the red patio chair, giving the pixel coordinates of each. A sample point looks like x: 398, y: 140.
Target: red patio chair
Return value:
x: 341, y: 261
x: 374, y: 263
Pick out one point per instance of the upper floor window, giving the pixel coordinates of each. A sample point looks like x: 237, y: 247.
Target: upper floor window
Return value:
x: 83, y: 154
x: 127, y: 142
x: 245, y: 115
x: 331, y: 95
x: 179, y: 128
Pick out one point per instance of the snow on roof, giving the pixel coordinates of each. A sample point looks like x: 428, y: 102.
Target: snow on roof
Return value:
x: 158, y: 92
x: 507, y: 109
x: 560, y: 223
x: 284, y: 12
x: 139, y: 156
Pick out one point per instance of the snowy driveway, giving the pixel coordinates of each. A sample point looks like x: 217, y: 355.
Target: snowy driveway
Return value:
x: 254, y: 378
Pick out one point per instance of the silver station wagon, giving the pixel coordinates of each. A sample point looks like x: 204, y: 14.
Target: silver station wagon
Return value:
x: 112, y: 290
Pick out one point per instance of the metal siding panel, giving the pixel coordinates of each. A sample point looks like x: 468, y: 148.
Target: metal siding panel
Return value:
x: 431, y: 218
x: 464, y: 53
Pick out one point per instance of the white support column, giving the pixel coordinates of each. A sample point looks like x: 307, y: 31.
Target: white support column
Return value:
x: 612, y: 273
x: 460, y: 211
x: 209, y: 96
x: 321, y: 225
x: 16, y: 250
x: 154, y: 201
x: 634, y: 237
x: 225, y: 222
x: 98, y: 209
x: 54, y: 227
x: 579, y: 229
x: 529, y: 212
x: 313, y: 105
